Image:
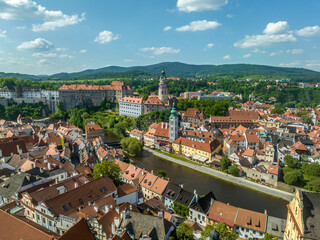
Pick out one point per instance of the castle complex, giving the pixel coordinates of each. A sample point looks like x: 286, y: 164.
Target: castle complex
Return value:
x: 92, y: 95
x: 135, y: 106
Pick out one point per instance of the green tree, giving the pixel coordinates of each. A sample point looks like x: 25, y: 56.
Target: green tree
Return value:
x: 233, y: 170
x: 292, y: 162
x: 268, y: 236
x: 184, y: 232
x: 162, y: 174
x: 224, y: 164
x: 180, y: 209
x: 12, y: 112
x: 294, y: 177
x: 311, y: 170
x: 109, y: 169
x: 314, y: 185
x: 2, y: 111
x: 19, y: 90
x: 222, y: 229
x: 131, y: 145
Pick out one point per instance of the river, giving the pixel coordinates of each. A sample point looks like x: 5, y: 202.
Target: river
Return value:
x: 224, y: 191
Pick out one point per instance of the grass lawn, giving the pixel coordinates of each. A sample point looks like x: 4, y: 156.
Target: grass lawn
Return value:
x: 178, y: 157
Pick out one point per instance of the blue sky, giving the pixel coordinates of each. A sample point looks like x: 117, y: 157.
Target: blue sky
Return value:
x: 45, y: 37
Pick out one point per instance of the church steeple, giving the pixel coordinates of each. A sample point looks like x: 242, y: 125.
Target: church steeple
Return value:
x: 173, y: 124
x: 163, y: 87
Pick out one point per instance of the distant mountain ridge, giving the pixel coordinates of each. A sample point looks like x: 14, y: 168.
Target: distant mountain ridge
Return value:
x: 180, y: 70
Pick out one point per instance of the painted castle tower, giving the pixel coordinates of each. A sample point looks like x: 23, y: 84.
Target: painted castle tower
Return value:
x: 163, y: 88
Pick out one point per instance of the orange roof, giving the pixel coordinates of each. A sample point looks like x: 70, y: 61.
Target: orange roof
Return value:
x: 159, y: 186
x: 148, y: 181
x: 132, y: 100
x: 14, y: 228
x: 274, y: 169
x: 248, y: 152
x: 221, y: 212
x: 252, y: 220
x: 153, y: 100
x: 207, y: 147
x: 162, y: 130
x: 93, y: 127
x: 115, y: 85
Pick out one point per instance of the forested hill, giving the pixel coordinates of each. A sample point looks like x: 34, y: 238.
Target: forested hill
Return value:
x: 178, y: 69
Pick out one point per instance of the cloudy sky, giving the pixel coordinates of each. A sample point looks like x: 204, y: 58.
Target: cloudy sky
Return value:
x: 45, y: 37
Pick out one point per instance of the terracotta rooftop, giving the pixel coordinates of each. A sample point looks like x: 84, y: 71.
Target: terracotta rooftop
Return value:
x: 221, y: 212
x: 252, y: 220
x: 132, y: 100
x: 12, y: 228
x: 206, y: 147
x: 79, y: 231
x: 80, y: 196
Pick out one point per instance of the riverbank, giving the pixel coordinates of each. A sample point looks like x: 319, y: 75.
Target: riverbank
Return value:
x: 235, y: 180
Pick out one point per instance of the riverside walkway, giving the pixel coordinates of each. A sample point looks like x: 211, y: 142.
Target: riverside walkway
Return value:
x: 236, y: 180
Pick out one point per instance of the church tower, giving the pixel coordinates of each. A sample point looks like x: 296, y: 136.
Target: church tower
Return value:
x: 173, y: 124
x: 163, y: 88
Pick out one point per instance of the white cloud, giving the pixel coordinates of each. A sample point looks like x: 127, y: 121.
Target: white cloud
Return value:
x: 198, y: 26
x: 295, y: 51
x: 229, y: 15
x: 106, y: 36
x: 247, y: 55
x: 64, y: 20
x: 309, y: 31
x: 200, y: 5
x: 160, y: 50
x: 210, y: 45
x: 21, y: 27
x: 127, y: 60
x: 311, y: 65
x: 291, y: 64
x: 61, y: 49
x: 43, y: 61
x: 276, y: 28
x: 167, y: 28
x: 3, y: 33
x: 273, y: 54
x: 38, y: 45
x: 257, y: 50
x: 45, y: 55
x: 83, y: 51
x: 227, y: 57
x: 28, y: 9
x: 264, y: 40
x: 66, y: 56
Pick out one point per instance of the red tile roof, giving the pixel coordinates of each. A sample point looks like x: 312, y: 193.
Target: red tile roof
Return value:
x: 12, y: 228
x: 207, y: 147
x: 79, y: 231
x: 221, y: 212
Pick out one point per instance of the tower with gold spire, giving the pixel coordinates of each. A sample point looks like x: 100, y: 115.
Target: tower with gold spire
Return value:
x: 163, y: 88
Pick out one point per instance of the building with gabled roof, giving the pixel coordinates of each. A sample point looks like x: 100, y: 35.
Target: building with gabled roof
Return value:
x: 12, y: 228
x: 199, y: 210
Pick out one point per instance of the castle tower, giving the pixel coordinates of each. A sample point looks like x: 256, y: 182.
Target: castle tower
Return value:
x: 173, y: 124
x: 163, y: 88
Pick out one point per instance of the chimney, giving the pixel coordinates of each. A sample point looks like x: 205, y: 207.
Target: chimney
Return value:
x: 130, y: 207
x: 162, y: 125
x: 266, y: 211
x: 49, y: 166
x: 123, y: 215
x: 151, y: 171
x: 56, y: 180
x: 107, y: 209
x: 160, y: 214
x: 113, y: 229
x: 76, y: 185
x: 117, y: 221
x: 181, y: 185
x: 211, y: 201
x: 95, y: 207
x: 117, y: 209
